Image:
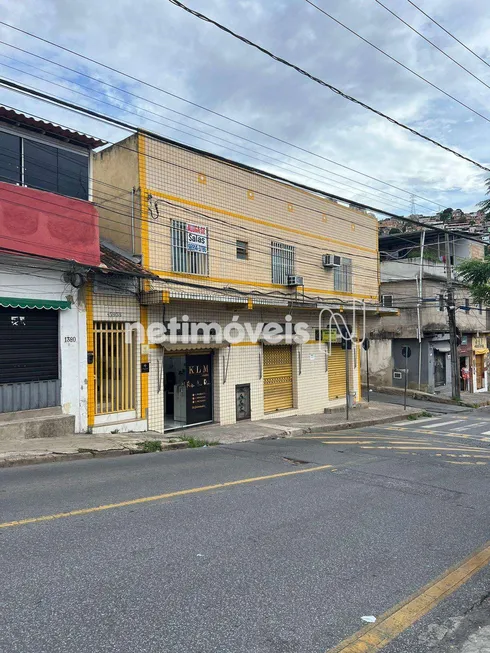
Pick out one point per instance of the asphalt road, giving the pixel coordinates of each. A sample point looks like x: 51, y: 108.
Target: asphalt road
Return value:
x: 283, y: 564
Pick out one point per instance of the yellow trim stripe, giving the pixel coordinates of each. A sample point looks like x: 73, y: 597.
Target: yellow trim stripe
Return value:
x: 145, y: 243
x: 264, y: 223
x: 258, y: 284
x: 159, y: 497
x: 89, y: 317
x: 375, y: 637
x: 144, y: 359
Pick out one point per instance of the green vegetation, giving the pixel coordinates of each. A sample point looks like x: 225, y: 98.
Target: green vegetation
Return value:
x: 150, y: 446
x: 476, y: 275
x: 194, y: 443
x: 424, y: 413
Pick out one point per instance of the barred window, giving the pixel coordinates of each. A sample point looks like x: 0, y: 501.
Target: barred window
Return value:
x: 342, y: 278
x: 184, y: 257
x: 282, y: 259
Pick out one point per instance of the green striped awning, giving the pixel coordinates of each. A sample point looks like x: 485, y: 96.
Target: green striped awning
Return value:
x: 23, y: 302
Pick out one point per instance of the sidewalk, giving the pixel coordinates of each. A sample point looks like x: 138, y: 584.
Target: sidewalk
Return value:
x: 470, y: 399
x: 77, y: 447
x: 23, y: 451
x: 365, y: 414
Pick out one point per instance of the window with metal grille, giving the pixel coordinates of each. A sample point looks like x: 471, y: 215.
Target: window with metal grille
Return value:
x: 387, y: 301
x: 242, y: 249
x: 183, y: 259
x: 115, y: 368
x: 342, y: 276
x: 282, y: 259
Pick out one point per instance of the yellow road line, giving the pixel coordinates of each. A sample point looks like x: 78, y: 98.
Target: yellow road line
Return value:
x: 367, y: 441
x: 159, y: 497
x: 374, y: 637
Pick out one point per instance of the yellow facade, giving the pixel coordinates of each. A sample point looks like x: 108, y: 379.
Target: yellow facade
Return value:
x: 172, y: 183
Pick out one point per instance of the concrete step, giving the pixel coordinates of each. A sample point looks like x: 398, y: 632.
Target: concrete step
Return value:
x: 29, y: 414
x: 53, y: 426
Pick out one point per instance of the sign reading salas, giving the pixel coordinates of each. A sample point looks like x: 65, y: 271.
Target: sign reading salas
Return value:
x: 197, y: 239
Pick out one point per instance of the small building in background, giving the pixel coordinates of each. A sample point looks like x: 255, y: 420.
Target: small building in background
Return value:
x: 414, y: 281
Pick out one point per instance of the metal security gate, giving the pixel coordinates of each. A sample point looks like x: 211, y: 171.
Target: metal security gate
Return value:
x: 278, y: 377
x: 29, y: 359
x: 114, y: 365
x: 336, y: 373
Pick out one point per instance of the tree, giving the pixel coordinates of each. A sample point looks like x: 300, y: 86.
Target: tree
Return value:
x: 476, y: 275
x: 446, y: 215
x: 485, y: 204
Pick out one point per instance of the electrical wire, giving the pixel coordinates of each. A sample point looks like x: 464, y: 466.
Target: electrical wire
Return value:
x: 336, y: 216
x: 194, y: 104
x: 265, y: 267
x: 50, y: 99
x: 449, y: 33
x: 293, y: 184
x: 430, y: 43
x: 360, y: 183
x: 115, y: 199
x: 277, y: 162
x: 464, y: 235
x: 325, y: 84
x: 410, y: 70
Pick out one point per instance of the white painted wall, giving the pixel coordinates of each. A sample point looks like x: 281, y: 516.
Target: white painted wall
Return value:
x: 32, y: 279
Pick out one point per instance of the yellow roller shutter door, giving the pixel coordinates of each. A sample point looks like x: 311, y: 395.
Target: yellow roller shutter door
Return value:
x: 336, y: 373
x: 278, y: 377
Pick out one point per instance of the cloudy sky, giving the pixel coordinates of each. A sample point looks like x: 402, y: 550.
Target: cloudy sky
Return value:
x: 159, y: 43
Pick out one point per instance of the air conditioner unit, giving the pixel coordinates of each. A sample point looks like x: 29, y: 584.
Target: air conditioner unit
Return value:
x: 331, y: 261
x: 293, y: 280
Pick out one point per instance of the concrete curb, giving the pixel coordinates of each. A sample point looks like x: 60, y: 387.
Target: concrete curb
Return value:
x: 340, y: 426
x: 83, y: 455
x: 366, y: 422
x: 423, y: 396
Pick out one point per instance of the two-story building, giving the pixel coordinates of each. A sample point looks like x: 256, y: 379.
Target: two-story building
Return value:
x: 236, y: 251
x: 52, y: 265
x: 414, y: 280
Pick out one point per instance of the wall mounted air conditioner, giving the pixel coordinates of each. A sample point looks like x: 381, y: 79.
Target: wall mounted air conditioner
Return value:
x: 294, y: 280
x: 331, y: 261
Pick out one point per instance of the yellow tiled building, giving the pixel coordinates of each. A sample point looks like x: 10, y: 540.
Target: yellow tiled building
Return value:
x: 228, y: 244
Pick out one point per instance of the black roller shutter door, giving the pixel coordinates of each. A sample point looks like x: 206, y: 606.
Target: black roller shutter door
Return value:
x: 28, y: 345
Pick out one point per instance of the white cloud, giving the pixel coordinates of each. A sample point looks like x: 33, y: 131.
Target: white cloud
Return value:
x: 170, y: 49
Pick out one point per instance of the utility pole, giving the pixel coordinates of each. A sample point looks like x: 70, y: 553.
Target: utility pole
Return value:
x: 453, y: 335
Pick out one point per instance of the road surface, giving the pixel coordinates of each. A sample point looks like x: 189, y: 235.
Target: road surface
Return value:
x: 275, y: 546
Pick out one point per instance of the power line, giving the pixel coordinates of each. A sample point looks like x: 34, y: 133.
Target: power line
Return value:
x: 449, y: 33
x: 167, y: 241
x: 255, y: 232
x: 276, y: 161
x: 147, y: 100
x: 216, y: 113
x: 327, y: 85
x: 107, y: 119
x: 410, y: 70
x: 430, y: 43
